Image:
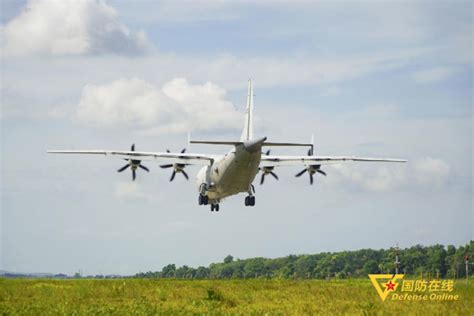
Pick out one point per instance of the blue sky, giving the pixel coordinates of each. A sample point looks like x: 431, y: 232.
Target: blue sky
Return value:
x: 373, y: 79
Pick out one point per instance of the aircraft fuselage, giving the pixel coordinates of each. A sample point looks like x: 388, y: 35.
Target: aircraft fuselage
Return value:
x: 232, y: 173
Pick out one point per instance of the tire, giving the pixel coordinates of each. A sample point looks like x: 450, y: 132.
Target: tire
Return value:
x: 217, y: 207
x: 252, y: 201
x: 212, y: 207
x: 246, y: 201
x: 200, y: 200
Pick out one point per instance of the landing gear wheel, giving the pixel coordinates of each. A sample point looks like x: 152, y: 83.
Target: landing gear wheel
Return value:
x: 214, y: 207
x: 203, y: 199
x: 252, y: 200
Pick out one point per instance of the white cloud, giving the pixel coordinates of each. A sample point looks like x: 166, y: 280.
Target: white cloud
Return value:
x: 428, y: 173
x: 433, y: 74
x: 431, y: 171
x: 383, y: 179
x: 177, y: 106
x: 128, y: 190
x: 372, y: 178
x: 46, y: 77
x: 55, y: 27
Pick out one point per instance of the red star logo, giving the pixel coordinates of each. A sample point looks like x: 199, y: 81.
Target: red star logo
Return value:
x: 390, y: 286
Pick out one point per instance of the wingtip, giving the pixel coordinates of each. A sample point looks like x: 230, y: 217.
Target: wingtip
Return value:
x: 400, y: 160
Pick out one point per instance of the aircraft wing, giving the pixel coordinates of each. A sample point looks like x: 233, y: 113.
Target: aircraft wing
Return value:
x: 276, y: 161
x: 161, y: 157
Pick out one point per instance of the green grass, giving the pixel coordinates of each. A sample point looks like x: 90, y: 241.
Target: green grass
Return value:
x: 214, y: 297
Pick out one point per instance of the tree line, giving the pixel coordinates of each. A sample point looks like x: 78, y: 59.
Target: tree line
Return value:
x: 428, y: 261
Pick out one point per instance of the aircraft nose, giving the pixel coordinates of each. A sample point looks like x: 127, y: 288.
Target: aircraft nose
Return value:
x: 254, y: 145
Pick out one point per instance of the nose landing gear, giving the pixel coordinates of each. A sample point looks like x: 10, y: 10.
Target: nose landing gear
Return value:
x: 203, y: 199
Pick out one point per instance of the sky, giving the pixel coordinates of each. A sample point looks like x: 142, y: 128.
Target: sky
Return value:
x: 382, y: 79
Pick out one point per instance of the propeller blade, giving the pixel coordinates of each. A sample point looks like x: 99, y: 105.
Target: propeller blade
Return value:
x: 167, y: 150
x: 166, y: 166
x: 262, y: 179
x: 311, y: 179
x: 183, y: 151
x: 309, y: 152
x: 133, y: 148
x: 144, y: 168
x: 268, y: 152
x: 134, y: 175
x: 301, y: 172
x: 274, y: 175
x: 185, y: 174
x: 172, y: 176
x: 321, y: 172
x: 123, y: 168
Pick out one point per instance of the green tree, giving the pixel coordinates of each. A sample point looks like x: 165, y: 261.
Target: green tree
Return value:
x: 168, y: 271
x: 436, y: 261
x: 202, y: 273
x: 255, y: 268
x: 370, y: 267
x: 304, y: 266
x: 433, y: 260
x: 184, y: 272
x: 228, y: 259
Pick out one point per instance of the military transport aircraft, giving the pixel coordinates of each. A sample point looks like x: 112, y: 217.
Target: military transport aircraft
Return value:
x: 231, y: 173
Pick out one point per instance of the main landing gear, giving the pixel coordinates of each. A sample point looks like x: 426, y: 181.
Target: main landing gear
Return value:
x: 250, y: 199
x: 203, y: 199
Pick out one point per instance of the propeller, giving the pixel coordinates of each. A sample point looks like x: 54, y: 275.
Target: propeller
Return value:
x: 177, y: 167
x: 134, y: 164
x: 267, y: 170
x: 311, y: 169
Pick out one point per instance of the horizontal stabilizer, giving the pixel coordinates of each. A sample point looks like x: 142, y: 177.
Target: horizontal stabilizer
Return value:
x: 215, y: 142
x: 273, y: 144
x: 233, y: 143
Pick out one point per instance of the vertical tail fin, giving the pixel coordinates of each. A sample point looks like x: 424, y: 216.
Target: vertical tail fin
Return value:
x: 247, y: 133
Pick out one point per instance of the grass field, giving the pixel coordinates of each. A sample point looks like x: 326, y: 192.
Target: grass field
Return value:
x: 214, y: 297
